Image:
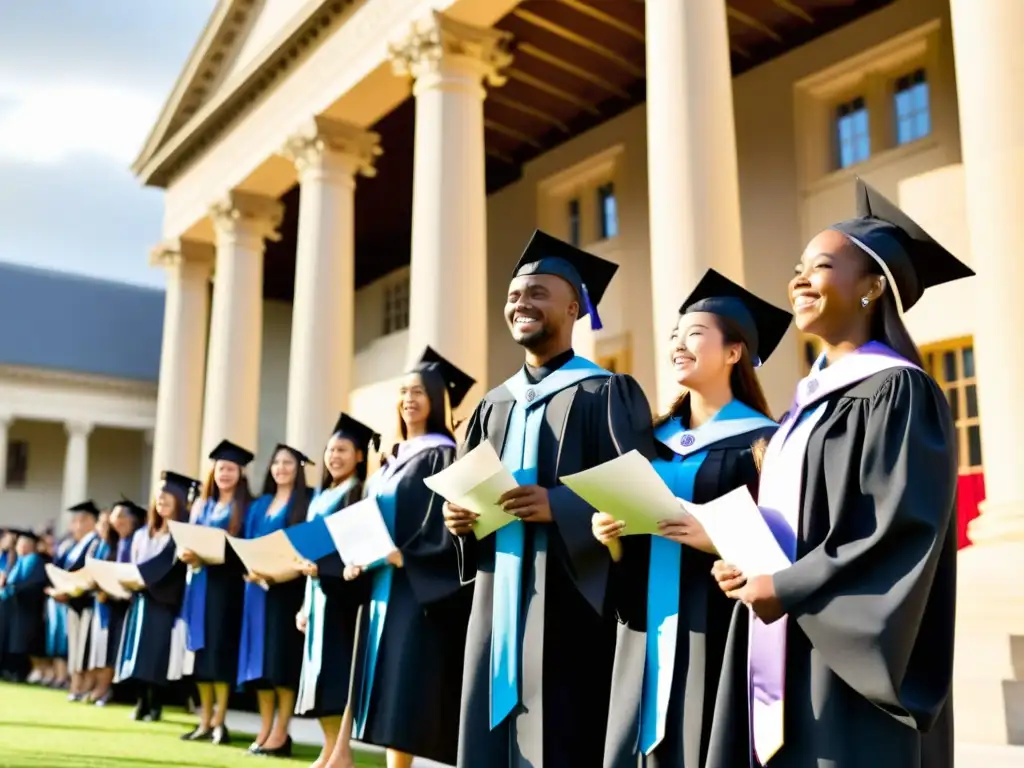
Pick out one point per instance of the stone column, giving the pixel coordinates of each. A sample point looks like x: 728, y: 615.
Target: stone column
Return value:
x: 450, y: 61
x: 5, y: 423
x: 990, y: 606
x: 243, y: 221
x: 76, y: 464
x: 150, y: 475
x: 327, y: 154
x: 179, y: 405
x: 693, y: 184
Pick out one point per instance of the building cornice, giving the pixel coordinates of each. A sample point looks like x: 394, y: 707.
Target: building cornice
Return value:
x: 105, y: 384
x: 192, y: 121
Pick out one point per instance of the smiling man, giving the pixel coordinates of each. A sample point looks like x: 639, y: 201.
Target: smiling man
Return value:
x: 539, y: 651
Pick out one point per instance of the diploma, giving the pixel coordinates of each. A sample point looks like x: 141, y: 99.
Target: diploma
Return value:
x: 272, y: 556
x: 207, y: 542
x: 70, y: 583
x: 476, y: 482
x: 629, y: 489
x: 109, y: 576
x: 740, y: 534
x: 359, y: 533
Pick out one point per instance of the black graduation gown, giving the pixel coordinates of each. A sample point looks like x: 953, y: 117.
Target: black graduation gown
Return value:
x: 414, y: 704
x: 26, y: 613
x: 870, y: 599
x: 217, y: 661
x: 568, y: 639
x: 704, y: 616
x: 340, y: 626
x: 151, y: 617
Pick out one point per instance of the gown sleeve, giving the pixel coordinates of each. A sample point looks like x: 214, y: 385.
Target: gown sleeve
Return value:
x: 623, y: 424
x: 466, y: 547
x: 164, y: 576
x: 429, y: 555
x: 865, y: 595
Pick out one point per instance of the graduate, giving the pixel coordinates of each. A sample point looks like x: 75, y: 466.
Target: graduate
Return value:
x: 270, y: 653
x: 84, y: 517
x: 330, y: 609
x: 674, y: 619
x: 8, y: 559
x: 56, y: 625
x: 151, y: 650
x: 23, y: 597
x: 851, y: 648
x: 116, y: 531
x: 215, y: 593
x: 413, y: 633
x: 541, y: 643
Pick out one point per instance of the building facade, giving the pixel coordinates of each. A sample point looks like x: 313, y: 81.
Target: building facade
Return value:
x: 79, y: 360
x: 358, y: 179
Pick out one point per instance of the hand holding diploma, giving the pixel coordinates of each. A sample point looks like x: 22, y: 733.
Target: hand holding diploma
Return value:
x: 474, y: 487
x: 109, y: 577
x: 270, y: 559
x: 198, y: 544
x: 69, y: 583
x: 360, y: 535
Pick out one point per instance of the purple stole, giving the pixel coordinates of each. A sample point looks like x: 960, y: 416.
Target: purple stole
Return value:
x: 780, y: 499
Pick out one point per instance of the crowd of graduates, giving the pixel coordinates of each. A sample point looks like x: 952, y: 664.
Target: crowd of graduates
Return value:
x: 563, y: 638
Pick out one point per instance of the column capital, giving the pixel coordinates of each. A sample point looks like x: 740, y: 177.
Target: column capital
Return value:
x: 438, y: 37
x: 78, y: 428
x: 257, y: 215
x: 177, y: 252
x: 325, y: 144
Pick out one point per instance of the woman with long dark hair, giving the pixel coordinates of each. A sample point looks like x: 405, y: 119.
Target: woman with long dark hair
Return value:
x: 214, y: 595
x: 674, y: 619
x: 409, y: 679
x: 149, y: 657
x: 99, y: 632
x: 846, y: 656
x: 330, y: 611
x: 270, y: 651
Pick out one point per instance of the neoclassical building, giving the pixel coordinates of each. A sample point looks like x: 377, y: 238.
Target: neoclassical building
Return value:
x: 358, y: 177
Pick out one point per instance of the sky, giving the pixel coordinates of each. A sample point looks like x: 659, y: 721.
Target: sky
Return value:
x: 81, y: 84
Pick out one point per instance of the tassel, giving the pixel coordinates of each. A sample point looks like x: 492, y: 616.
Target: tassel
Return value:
x: 595, y: 319
x: 375, y: 442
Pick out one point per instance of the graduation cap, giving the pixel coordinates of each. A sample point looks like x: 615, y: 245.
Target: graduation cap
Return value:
x: 457, y: 381
x: 762, y: 325
x: 137, y: 511
x: 298, y: 455
x: 360, y: 434
x: 911, y: 260
x: 87, y: 507
x: 28, y: 534
x: 228, y: 451
x: 185, y: 485
x: 589, y: 275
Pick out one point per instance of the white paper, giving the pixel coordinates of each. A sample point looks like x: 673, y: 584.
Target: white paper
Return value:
x: 359, y: 533
x: 206, y: 541
x: 476, y: 482
x: 70, y: 583
x: 740, y: 534
x: 109, y: 576
x: 272, y: 556
x: 629, y: 489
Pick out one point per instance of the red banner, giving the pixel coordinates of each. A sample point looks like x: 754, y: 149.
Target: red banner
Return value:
x: 970, y: 492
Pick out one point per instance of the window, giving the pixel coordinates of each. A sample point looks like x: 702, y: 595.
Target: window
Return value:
x: 951, y: 364
x: 574, y: 221
x: 911, y: 107
x: 853, y: 134
x: 607, y: 211
x: 17, y: 463
x: 396, y: 306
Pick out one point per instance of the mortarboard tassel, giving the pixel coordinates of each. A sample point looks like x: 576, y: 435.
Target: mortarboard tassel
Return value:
x: 595, y: 319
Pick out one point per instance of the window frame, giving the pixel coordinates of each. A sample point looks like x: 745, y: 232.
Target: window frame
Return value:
x: 15, y: 468
x: 933, y: 356
x: 397, y: 295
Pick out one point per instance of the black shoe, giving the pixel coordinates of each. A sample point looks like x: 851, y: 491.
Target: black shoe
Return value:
x: 154, y: 715
x: 197, y: 734
x: 285, y: 750
x: 139, y: 712
x: 220, y: 735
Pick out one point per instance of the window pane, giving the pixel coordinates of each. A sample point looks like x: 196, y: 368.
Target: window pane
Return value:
x: 911, y: 107
x: 974, y: 446
x: 968, y: 356
x: 949, y: 366
x: 971, y: 396
x: 606, y: 204
x: 904, y: 131
x: 574, y: 221
x: 954, y: 402
x: 863, y: 149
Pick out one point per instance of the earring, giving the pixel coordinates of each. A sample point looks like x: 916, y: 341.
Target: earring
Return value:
x: 864, y: 301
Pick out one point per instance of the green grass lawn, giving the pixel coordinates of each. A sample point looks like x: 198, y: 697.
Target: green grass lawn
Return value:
x: 39, y: 729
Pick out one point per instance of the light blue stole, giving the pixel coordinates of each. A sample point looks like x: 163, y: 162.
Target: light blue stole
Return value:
x: 384, y: 486
x: 690, y: 448
x: 22, y: 570
x: 102, y: 610
x: 520, y: 457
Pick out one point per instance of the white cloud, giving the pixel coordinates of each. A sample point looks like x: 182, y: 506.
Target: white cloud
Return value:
x: 47, y: 124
